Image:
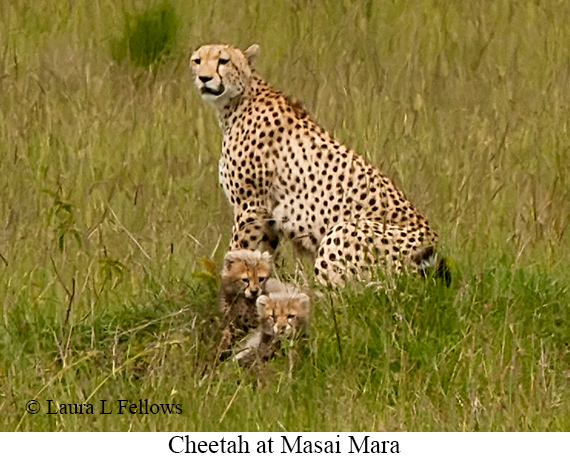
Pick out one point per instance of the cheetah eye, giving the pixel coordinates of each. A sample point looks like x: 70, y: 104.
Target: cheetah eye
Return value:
x: 222, y: 61
x: 245, y: 280
x: 196, y: 61
x: 291, y: 316
x: 261, y: 279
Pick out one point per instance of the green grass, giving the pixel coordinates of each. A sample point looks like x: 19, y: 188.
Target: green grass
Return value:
x: 148, y: 35
x: 109, y: 199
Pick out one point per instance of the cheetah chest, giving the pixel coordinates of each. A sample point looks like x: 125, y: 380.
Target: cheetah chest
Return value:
x: 245, y: 171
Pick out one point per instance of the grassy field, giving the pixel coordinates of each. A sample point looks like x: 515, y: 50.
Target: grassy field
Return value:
x: 112, y: 218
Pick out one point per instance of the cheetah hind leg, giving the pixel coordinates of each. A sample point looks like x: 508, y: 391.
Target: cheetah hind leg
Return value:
x: 355, y: 249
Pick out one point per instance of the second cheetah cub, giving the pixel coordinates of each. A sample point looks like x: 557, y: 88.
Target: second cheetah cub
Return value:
x: 283, y: 314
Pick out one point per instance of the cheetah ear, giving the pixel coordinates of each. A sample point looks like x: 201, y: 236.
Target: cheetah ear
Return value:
x: 229, y: 259
x: 261, y: 303
x: 266, y: 256
x: 305, y: 302
x: 252, y: 53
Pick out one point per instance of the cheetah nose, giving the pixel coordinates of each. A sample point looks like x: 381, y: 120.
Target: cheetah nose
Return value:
x: 205, y: 79
x: 254, y: 292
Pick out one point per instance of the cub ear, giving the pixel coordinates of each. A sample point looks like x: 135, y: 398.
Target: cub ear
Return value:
x: 252, y: 52
x: 229, y: 259
x: 305, y: 302
x: 266, y: 256
x: 262, y: 302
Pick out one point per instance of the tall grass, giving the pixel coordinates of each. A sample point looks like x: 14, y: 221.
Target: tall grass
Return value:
x: 109, y: 199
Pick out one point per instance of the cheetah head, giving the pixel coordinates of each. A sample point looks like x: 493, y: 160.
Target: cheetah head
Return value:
x: 222, y: 72
x: 283, y: 314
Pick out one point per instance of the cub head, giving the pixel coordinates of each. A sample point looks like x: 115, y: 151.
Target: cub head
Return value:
x: 283, y: 314
x: 245, y: 272
x: 222, y: 72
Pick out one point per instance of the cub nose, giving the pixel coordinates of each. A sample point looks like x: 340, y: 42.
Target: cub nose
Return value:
x: 280, y: 328
x: 205, y: 79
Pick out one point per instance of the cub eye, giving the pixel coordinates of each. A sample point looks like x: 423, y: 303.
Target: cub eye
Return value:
x: 291, y: 316
x: 246, y: 280
x: 261, y: 279
x: 196, y: 61
x: 223, y: 61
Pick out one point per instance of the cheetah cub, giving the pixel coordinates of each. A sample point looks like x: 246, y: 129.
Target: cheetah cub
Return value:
x: 244, y: 277
x: 283, y: 314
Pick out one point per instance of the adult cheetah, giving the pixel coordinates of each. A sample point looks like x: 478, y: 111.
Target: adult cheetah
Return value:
x: 285, y: 176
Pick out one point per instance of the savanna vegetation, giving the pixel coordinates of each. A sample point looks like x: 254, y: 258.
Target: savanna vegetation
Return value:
x: 113, y: 224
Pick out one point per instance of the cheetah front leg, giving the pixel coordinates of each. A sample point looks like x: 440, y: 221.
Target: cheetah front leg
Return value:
x: 357, y: 249
x: 226, y: 341
x: 254, y: 229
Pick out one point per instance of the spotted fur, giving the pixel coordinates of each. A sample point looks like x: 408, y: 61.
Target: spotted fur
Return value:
x: 286, y: 177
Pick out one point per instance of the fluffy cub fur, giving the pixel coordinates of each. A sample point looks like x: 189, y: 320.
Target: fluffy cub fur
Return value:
x: 244, y: 278
x: 283, y: 314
